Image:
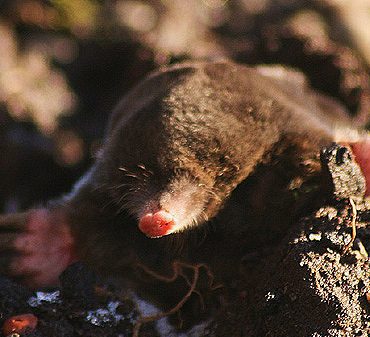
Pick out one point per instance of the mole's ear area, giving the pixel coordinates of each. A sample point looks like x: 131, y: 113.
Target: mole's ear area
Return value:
x: 35, y: 247
x: 361, y: 150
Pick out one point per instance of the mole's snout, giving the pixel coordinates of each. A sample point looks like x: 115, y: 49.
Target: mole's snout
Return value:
x: 157, y: 224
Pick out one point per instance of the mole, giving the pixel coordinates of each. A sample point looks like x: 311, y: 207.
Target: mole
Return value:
x: 195, y: 157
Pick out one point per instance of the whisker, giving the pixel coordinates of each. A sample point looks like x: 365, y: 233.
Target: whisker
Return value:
x: 142, y: 167
x: 126, y: 171
x: 99, y: 187
x: 131, y: 175
x: 107, y: 204
x: 145, y: 172
x: 117, y: 187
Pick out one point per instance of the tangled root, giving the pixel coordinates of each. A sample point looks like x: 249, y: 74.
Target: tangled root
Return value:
x: 179, y: 269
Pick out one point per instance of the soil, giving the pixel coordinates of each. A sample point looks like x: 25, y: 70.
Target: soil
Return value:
x: 314, y: 282
x: 308, y: 287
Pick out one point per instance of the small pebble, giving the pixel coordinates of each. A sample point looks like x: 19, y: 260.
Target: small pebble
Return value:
x: 105, y: 316
x: 329, y: 212
x: 19, y: 324
x: 315, y: 237
x: 362, y: 250
x: 44, y: 297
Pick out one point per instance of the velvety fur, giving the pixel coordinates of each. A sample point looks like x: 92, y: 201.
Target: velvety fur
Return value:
x: 193, y: 133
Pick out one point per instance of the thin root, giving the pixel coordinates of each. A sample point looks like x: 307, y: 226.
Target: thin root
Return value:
x: 354, y: 231
x: 178, y: 270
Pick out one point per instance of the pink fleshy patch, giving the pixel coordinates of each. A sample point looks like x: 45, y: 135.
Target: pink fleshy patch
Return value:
x: 361, y: 151
x: 45, y: 249
x: 156, y: 225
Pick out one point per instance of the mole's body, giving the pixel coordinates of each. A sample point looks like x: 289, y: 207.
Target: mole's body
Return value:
x: 177, y: 147
x: 181, y: 142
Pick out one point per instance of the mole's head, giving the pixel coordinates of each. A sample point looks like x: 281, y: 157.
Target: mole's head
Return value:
x: 162, y: 174
x: 166, y: 176
x: 165, y: 200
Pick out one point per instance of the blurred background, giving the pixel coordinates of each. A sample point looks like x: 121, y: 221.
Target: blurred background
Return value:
x: 65, y: 63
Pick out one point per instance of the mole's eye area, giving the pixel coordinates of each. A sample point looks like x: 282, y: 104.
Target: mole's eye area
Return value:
x: 157, y: 224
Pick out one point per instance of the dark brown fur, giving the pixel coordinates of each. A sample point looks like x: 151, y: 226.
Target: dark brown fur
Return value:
x: 211, y: 123
x: 214, y: 124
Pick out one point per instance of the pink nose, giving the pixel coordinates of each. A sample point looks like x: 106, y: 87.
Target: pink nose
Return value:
x: 156, y: 225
